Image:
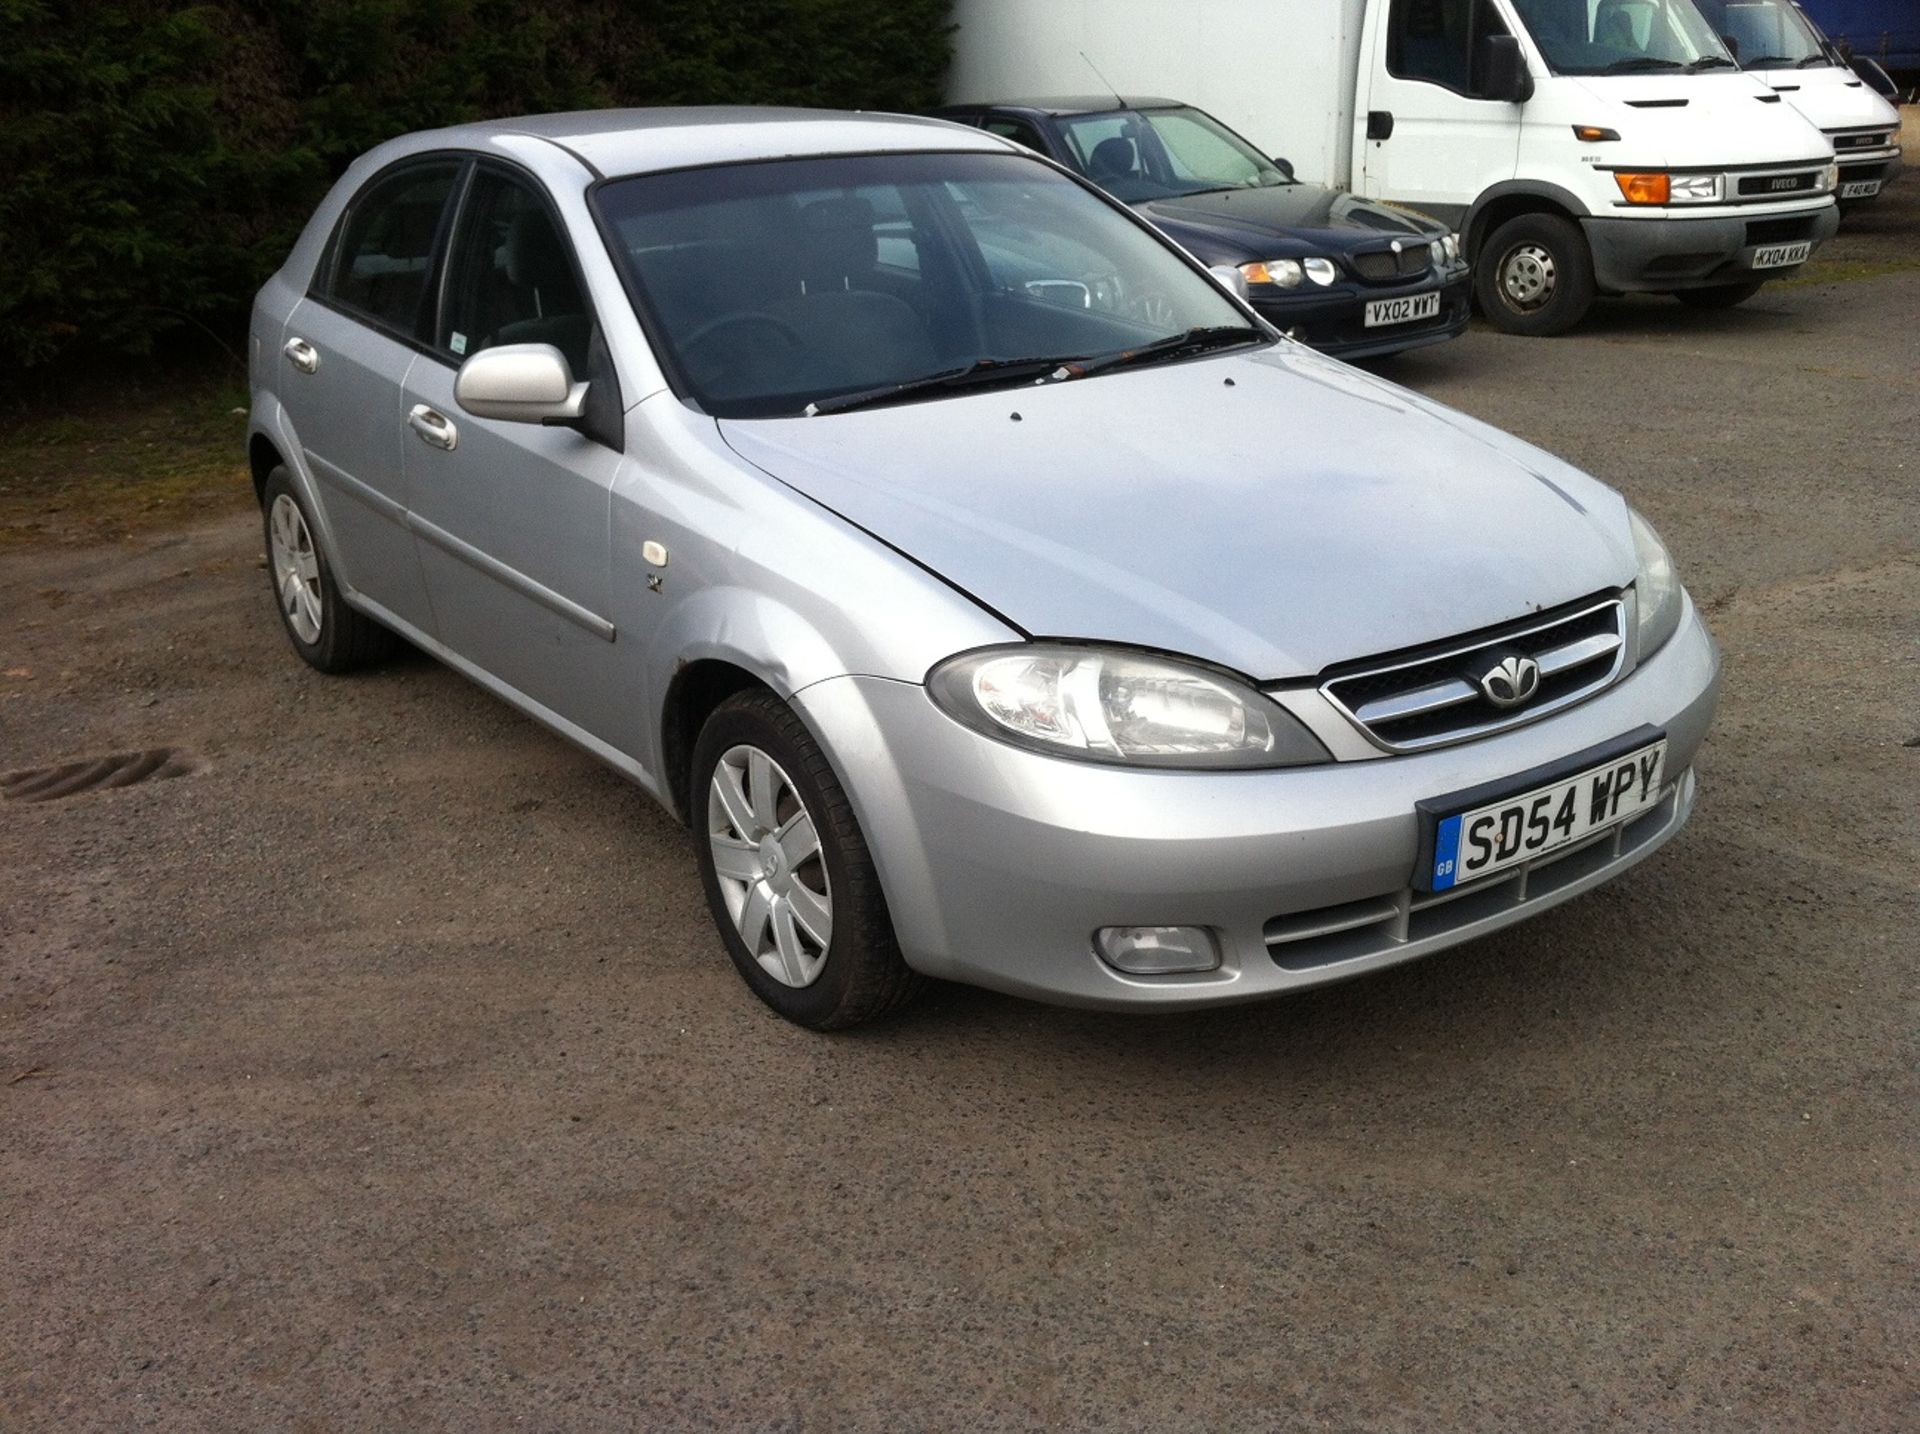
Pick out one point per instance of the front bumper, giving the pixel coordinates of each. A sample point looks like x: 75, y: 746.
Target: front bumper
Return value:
x: 1882, y: 167
x: 1333, y: 319
x: 999, y: 864
x: 1661, y: 255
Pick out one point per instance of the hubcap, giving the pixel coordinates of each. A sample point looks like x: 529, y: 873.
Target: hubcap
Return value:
x: 1527, y: 276
x: 296, y: 568
x: 772, y: 873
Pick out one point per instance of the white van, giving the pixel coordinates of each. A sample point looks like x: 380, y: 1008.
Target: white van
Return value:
x: 1776, y: 42
x: 1580, y: 146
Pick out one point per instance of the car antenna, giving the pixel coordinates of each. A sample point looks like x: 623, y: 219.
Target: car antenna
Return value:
x: 1118, y: 99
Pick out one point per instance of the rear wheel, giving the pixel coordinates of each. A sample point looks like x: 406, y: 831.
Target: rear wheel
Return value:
x: 788, y: 876
x: 1720, y: 296
x: 322, y: 628
x: 1534, y: 275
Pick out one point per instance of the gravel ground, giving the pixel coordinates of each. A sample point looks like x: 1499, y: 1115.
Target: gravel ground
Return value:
x: 384, y: 1072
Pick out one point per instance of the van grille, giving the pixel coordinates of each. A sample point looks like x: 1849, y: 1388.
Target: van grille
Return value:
x: 1766, y: 186
x: 1844, y: 140
x: 1410, y: 701
x: 1779, y: 231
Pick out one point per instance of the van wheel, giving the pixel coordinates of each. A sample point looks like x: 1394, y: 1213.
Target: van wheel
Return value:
x: 788, y: 876
x: 1720, y: 296
x: 326, y: 632
x: 1534, y: 275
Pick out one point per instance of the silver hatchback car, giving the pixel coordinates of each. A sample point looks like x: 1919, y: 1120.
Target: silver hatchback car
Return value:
x: 993, y: 593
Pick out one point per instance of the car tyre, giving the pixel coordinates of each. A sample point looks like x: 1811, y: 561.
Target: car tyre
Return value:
x: 1720, y: 296
x: 781, y: 857
x: 323, y: 629
x: 1534, y: 275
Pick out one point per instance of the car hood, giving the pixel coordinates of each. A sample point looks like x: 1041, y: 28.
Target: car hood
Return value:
x: 1307, y: 218
x: 1274, y: 513
x: 1721, y: 117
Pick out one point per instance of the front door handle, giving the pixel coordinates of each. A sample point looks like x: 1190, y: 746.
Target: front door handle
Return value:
x: 301, y: 354
x: 1379, y: 124
x: 433, y: 426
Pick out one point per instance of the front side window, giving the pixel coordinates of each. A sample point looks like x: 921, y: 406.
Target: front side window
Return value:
x: 1618, y: 37
x: 768, y: 287
x: 1438, y: 41
x: 383, y: 253
x: 512, y: 279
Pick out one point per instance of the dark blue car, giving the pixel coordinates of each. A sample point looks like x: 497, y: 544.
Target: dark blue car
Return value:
x: 1347, y: 275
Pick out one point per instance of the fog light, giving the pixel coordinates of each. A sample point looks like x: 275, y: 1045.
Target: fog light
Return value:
x: 1157, y: 950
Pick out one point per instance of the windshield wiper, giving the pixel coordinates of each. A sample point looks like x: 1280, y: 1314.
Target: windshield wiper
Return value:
x: 978, y: 374
x: 1711, y: 62
x: 1641, y: 62
x: 1812, y: 60
x: 1765, y: 62
x: 1193, y: 341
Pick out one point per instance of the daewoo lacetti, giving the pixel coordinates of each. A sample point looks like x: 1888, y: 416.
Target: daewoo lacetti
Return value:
x: 995, y: 595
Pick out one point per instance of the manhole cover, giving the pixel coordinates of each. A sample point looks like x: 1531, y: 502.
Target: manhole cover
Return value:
x: 122, y: 769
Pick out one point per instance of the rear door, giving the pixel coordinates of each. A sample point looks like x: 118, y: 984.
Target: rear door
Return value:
x: 1431, y: 141
x: 347, y: 350
x: 512, y: 519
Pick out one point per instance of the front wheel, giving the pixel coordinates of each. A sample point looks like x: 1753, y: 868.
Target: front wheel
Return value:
x: 1720, y: 296
x: 1534, y: 275
x: 325, y: 631
x: 787, y: 873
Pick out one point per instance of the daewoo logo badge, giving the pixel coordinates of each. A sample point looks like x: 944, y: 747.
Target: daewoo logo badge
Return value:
x: 1510, y: 681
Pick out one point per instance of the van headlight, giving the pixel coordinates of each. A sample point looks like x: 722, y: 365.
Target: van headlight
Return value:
x: 1134, y: 709
x: 1657, y: 589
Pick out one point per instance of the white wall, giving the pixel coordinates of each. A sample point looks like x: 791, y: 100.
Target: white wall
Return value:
x: 1279, y: 71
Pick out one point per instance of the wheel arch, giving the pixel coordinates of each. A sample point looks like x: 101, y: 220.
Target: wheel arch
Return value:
x: 1512, y: 198
x: 693, y: 693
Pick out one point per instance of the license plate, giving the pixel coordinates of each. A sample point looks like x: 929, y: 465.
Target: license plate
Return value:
x: 1860, y: 189
x: 1775, y: 256
x: 1494, y: 835
x: 1402, y: 311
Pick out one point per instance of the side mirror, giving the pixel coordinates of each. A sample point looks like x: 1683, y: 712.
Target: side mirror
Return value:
x: 1230, y: 279
x: 1285, y: 166
x: 1503, y: 70
x: 520, y: 383
x: 1877, y: 79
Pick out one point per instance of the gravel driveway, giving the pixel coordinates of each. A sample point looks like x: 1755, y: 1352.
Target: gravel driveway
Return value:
x: 384, y: 1071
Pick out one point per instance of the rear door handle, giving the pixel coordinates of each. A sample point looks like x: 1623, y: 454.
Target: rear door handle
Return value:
x: 1379, y: 124
x: 433, y: 426
x: 301, y: 354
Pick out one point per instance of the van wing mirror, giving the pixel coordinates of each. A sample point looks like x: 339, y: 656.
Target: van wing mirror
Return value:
x: 1285, y: 166
x: 1503, y: 70
x: 1877, y: 79
x: 520, y: 383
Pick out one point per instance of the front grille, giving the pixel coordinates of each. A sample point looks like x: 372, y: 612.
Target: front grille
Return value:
x: 1844, y: 140
x: 1383, y: 266
x: 1766, y: 186
x: 1428, y: 698
x: 1383, y: 925
x: 1779, y: 231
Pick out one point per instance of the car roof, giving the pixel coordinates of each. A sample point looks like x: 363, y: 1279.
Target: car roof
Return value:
x: 644, y: 141
x: 1073, y: 104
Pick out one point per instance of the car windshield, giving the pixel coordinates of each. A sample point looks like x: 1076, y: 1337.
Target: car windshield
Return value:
x: 1137, y: 155
x: 805, y: 285
x: 1618, y: 37
x: 1767, y: 34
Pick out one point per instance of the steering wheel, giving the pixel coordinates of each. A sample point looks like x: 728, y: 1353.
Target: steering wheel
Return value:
x: 741, y: 318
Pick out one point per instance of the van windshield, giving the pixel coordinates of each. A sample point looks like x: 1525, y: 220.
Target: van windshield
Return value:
x: 1767, y: 34
x: 1621, y: 37
x: 818, y: 285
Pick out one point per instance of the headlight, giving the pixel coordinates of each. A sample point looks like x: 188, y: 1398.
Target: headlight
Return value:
x: 1830, y: 176
x: 1438, y: 249
x: 1661, y: 188
x: 1656, y: 589
x: 1110, y: 705
x: 1452, y: 241
x: 1321, y: 271
x: 1284, y: 272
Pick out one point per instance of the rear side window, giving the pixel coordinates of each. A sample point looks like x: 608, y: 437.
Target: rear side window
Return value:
x: 383, y: 253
